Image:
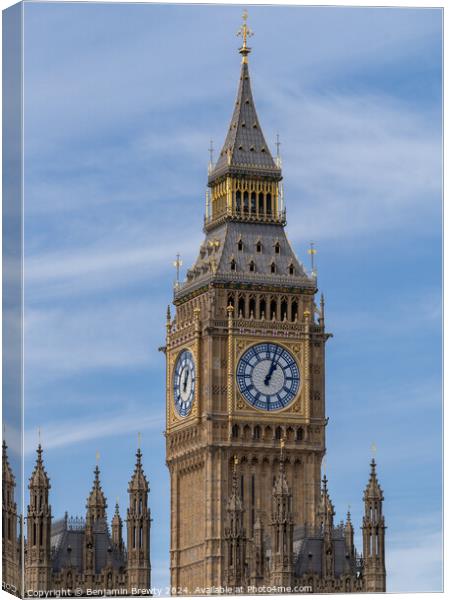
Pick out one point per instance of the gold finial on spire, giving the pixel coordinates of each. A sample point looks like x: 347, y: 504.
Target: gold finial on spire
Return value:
x: 139, y: 439
x: 245, y: 32
x: 97, y: 457
x: 373, y: 449
x: 39, y: 436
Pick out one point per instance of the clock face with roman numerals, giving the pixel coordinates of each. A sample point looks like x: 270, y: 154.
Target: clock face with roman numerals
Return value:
x: 184, y: 383
x: 268, y: 376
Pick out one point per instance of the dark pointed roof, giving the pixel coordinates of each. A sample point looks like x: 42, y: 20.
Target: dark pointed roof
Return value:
x: 245, y: 150
x: 39, y: 477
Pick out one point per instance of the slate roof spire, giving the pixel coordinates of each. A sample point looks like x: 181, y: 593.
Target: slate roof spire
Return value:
x: 245, y: 151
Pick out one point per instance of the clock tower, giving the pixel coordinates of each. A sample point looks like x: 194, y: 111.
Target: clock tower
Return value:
x: 245, y: 393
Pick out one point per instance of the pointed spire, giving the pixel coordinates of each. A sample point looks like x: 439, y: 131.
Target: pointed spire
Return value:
x: 39, y: 477
x: 373, y: 489
x: 96, y: 503
x: 235, y: 502
x: 281, y: 484
x: 245, y: 151
x: 7, y: 474
x: 138, y: 480
x: 327, y: 511
x: 348, y: 519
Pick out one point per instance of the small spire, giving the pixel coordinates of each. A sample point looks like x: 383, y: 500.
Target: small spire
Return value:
x: 324, y: 483
x: 245, y: 32
x: 312, y: 252
x: 211, y: 156
x: 321, y: 312
x: 234, y: 473
x: 39, y: 477
x: 138, y: 479
x: 96, y: 502
x: 177, y: 264
x: 373, y: 489
x: 168, y: 313
x: 282, y: 457
x: 348, y: 515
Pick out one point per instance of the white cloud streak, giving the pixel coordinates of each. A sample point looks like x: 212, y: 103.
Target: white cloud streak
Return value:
x: 64, y: 433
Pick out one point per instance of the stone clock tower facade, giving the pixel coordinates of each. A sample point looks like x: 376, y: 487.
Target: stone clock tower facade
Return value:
x: 245, y: 431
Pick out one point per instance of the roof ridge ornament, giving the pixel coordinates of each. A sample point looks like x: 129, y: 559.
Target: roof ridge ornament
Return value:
x: 245, y: 32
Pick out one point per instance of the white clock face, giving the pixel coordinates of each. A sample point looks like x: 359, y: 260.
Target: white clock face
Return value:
x: 268, y: 376
x: 184, y: 383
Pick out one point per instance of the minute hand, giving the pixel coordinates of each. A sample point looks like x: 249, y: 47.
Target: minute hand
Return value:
x: 270, y: 372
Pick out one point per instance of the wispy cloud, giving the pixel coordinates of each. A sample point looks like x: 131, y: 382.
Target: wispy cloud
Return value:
x: 63, y: 433
x: 358, y: 163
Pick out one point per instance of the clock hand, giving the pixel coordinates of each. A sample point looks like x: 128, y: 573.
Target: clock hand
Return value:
x: 273, y: 367
x: 184, y: 383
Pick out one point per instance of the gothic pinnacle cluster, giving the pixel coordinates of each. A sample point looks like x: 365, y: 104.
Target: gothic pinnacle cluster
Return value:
x: 76, y: 553
x: 245, y: 357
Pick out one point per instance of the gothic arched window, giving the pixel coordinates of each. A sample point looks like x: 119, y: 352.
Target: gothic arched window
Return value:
x: 252, y: 307
x: 294, y: 310
x: 253, y: 202
x: 263, y: 308
x: 238, y: 200
x: 241, y: 307
x: 284, y: 308
x: 268, y: 204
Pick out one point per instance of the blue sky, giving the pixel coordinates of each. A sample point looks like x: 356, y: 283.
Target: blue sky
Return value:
x: 120, y: 104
